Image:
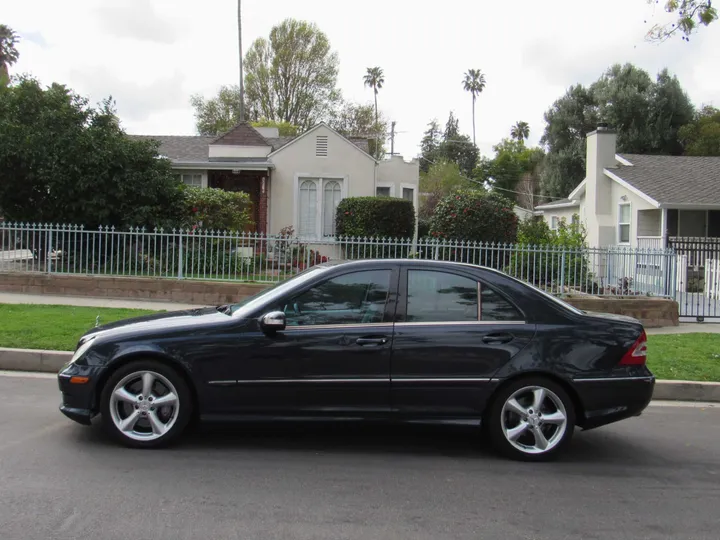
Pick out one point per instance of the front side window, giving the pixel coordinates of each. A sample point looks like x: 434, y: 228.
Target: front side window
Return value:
x: 408, y: 194
x: 355, y: 298
x: 554, y: 223
x: 382, y: 191
x: 318, y: 199
x: 624, y: 223
x: 194, y: 180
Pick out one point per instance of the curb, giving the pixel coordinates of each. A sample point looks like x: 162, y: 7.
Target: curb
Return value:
x: 52, y: 361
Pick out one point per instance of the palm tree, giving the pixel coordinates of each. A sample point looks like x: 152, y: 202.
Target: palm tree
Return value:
x: 520, y: 131
x: 375, y: 78
x: 474, y: 83
x: 8, y: 52
x: 242, y: 75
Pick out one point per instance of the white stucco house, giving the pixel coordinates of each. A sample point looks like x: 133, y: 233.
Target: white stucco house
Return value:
x: 292, y: 181
x: 644, y: 201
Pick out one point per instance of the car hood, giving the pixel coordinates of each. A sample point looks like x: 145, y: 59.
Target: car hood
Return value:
x: 149, y: 324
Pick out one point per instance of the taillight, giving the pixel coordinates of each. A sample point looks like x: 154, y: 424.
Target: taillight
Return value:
x: 637, y: 354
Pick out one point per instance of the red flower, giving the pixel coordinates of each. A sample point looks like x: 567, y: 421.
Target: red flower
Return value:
x: 458, y: 197
x: 453, y: 216
x: 195, y: 209
x: 347, y: 213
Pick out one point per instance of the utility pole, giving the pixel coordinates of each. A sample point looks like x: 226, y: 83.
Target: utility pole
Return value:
x: 392, y: 138
x: 242, y: 77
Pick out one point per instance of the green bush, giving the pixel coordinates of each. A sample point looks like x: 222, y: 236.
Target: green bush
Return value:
x: 475, y: 215
x: 383, y: 217
x: 423, y: 228
x: 216, y: 209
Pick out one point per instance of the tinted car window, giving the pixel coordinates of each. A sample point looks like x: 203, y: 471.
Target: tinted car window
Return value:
x: 494, y: 307
x: 441, y: 297
x: 355, y: 298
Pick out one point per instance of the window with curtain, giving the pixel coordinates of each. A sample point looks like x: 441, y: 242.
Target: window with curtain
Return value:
x: 307, y: 218
x: 332, y: 194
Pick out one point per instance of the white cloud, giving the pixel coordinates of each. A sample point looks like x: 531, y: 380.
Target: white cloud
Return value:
x: 152, y: 55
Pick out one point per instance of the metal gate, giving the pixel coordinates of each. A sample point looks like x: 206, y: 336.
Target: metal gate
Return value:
x: 698, y: 277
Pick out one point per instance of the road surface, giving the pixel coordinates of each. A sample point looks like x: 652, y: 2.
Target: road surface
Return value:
x: 656, y: 476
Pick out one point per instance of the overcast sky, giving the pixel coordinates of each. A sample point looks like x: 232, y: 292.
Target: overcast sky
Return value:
x: 152, y: 55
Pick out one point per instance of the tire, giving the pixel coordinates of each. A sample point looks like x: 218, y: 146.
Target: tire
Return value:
x: 519, y: 431
x: 131, y: 418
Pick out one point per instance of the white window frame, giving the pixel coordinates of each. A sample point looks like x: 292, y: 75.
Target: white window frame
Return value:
x: 321, y: 180
x: 554, y: 223
x: 181, y: 174
x: 390, y: 185
x: 627, y: 224
x: 414, y: 187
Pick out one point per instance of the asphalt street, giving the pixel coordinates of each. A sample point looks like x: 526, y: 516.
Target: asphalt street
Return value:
x: 656, y: 476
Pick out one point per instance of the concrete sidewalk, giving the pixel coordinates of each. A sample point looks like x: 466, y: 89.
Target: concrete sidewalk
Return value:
x: 20, y: 298
x: 686, y: 328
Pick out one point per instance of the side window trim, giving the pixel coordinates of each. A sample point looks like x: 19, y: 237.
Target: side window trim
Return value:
x: 481, y: 284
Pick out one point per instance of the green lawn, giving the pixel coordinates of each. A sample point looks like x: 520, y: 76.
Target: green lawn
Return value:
x: 691, y: 357
x: 26, y: 326
x: 685, y: 357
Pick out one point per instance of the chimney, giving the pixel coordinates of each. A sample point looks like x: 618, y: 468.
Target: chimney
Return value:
x: 600, y: 155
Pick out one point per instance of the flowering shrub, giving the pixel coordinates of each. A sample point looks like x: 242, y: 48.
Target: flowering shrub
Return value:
x: 376, y: 217
x: 474, y: 215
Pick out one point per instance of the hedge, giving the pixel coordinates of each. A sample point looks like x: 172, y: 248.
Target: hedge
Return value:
x: 375, y: 217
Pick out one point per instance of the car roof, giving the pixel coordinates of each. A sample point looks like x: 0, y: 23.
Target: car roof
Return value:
x: 410, y: 262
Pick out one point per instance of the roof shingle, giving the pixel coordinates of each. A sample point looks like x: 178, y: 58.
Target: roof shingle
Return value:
x: 674, y: 179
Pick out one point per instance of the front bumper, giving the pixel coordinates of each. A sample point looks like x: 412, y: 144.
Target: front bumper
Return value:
x: 79, y: 401
x: 613, y: 399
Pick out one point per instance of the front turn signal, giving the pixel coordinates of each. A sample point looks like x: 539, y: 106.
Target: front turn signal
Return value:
x: 79, y: 380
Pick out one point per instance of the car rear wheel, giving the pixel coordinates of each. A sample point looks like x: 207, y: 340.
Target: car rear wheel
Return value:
x: 531, y: 419
x: 145, y: 404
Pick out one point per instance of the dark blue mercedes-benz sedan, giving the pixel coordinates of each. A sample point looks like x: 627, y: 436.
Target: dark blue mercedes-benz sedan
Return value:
x: 391, y: 340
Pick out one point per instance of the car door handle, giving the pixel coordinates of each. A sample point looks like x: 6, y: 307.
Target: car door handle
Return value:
x: 498, y: 339
x: 365, y: 342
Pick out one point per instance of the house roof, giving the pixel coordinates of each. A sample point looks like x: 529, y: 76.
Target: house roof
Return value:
x: 673, y: 180
x: 561, y: 203
x: 360, y: 144
x: 179, y: 147
x: 243, y: 134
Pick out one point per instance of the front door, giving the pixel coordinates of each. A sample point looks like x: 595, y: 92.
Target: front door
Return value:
x: 339, y: 336
x: 453, y: 333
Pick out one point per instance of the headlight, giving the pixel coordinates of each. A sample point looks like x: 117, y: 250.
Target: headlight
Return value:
x: 82, y: 349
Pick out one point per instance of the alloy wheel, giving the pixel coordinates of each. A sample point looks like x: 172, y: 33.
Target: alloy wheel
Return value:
x: 144, y: 405
x: 534, y: 420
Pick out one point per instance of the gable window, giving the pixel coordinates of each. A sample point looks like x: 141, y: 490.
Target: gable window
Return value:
x: 382, y: 191
x: 554, y: 223
x: 321, y: 146
x: 318, y: 199
x: 624, y: 223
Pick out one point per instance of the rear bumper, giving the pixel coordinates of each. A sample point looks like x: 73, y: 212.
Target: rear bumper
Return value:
x: 611, y: 399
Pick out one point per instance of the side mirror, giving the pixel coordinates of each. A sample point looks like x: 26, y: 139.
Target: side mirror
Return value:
x: 273, y: 321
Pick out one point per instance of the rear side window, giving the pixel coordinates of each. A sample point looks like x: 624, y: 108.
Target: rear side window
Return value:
x: 434, y: 296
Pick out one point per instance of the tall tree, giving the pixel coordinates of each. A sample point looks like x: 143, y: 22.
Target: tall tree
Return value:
x: 63, y: 161
x: 430, y: 146
x: 646, y: 114
x: 375, y: 78
x: 449, y: 146
x: 688, y: 16
x: 8, y: 52
x: 474, y: 82
x: 520, y: 131
x: 358, y: 120
x: 241, y: 100
x: 292, y: 76
x: 702, y: 136
x: 219, y: 114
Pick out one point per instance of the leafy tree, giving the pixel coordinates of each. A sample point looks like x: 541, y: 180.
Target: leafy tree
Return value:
x: 216, y: 209
x: 8, y: 52
x: 702, y: 136
x: 474, y: 82
x: 292, y: 76
x: 441, y: 179
x: 219, y: 114
x: 520, y: 131
x: 646, y: 114
x: 690, y: 14
x: 357, y: 120
x: 513, y: 163
x: 448, y: 145
x: 62, y: 161
x: 285, y: 129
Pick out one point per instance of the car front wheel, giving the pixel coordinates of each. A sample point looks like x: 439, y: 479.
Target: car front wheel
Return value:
x: 145, y: 404
x: 531, y: 419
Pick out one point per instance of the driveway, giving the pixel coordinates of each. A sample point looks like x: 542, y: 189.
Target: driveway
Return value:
x: 656, y: 476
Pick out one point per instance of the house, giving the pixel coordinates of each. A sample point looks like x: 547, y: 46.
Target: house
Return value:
x: 292, y: 181
x: 644, y: 201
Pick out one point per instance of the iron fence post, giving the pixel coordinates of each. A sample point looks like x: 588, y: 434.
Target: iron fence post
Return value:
x: 180, y: 257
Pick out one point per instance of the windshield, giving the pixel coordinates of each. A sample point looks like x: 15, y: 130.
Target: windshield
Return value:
x: 251, y: 303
